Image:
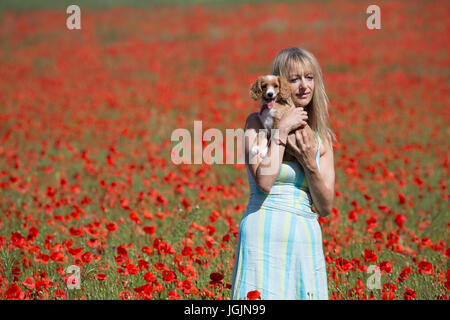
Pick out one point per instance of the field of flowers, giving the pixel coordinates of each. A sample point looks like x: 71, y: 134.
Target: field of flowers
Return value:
x: 86, y: 118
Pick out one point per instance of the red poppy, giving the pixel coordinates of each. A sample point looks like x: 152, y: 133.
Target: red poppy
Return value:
x: 371, y: 222
x: 160, y: 200
x: 400, y: 220
x: 146, y: 249
x: 143, y: 265
x: 93, y: 243
x: 401, y: 198
x: 370, y: 256
x: 76, y: 232
x: 149, y: 277
x: 59, y: 293
x: 343, y: 265
x: 409, y: 294
x: 386, y: 267
x: 149, y: 230
x: 388, y: 296
x: 216, y: 276
x: 33, y: 232
x: 29, y: 282
x: 173, y: 295
x: 86, y: 257
x: 112, y: 226
x: 125, y: 295
x: 14, y: 292
x: 425, y: 267
x: 132, y: 269
x: 101, y: 276
x: 168, y: 276
x: 186, y: 284
x: 253, y: 295
x: 134, y: 217
x: 144, y: 289
x: 187, y: 251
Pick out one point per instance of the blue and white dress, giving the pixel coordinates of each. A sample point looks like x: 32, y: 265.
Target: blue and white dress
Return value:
x: 279, y: 250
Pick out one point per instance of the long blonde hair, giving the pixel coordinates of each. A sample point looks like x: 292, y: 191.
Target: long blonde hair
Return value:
x: 318, y: 118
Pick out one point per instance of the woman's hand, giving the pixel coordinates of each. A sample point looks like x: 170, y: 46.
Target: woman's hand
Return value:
x: 292, y: 119
x: 304, y: 148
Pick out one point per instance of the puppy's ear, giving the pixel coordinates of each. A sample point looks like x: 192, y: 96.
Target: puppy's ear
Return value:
x: 285, y: 89
x: 255, y: 89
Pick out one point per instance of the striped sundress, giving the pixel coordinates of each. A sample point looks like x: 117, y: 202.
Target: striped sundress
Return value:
x: 279, y: 250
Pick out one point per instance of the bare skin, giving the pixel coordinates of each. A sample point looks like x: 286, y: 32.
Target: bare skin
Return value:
x: 321, y: 183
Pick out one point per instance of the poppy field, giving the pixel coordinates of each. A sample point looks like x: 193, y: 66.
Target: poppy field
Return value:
x: 86, y: 118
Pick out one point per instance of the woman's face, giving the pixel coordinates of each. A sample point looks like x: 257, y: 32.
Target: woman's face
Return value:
x: 302, y: 85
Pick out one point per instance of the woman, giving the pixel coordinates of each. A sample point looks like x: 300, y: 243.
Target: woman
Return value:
x: 280, y: 250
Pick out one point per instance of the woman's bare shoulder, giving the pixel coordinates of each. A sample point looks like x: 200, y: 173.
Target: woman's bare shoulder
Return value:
x: 326, y: 145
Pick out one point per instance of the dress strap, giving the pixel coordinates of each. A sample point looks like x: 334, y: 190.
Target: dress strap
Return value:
x: 318, y: 150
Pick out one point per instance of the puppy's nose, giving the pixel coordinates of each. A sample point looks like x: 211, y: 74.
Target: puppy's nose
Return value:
x: 270, y: 94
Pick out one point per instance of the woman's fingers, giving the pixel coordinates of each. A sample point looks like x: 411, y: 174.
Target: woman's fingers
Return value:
x: 292, y: 144
x: 299, y: 138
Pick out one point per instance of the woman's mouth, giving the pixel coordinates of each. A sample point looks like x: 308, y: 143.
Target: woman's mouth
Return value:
x: 304, y: 95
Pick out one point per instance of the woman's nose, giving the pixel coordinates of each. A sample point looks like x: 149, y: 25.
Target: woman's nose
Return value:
x: 302, y: 84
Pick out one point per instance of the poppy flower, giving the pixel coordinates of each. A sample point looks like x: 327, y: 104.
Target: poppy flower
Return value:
x: 216, y: 278
x: 134, y: 217
x: 143, y: 265
x: 370, y: 256
x: 14, y: 292
x: 149, y: 229
x: 149, y: 277
x: 187, y: 251
x: 125, y: 295
x: 76, y: 232
x: 168, y: 276
x: 112, y: 226
x: 173, y: 295
x: 425, y: 267
x: 400, y: 220
x: 29, y: 282
x: 132, y: 269
x: 186, y: 284
x: 386, y: 267
x: 401, y: 198
x: 409, y: 294
x: 254, y: 295
x: 101, y: 276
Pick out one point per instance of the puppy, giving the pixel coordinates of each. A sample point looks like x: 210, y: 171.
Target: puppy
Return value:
x: 275, y: 95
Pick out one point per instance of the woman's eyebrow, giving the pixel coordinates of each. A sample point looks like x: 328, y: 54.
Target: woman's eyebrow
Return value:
x: 305, y: 74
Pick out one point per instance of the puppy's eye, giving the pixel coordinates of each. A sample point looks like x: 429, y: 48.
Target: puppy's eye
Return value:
x: 276, y: 86
x: 264, y: 86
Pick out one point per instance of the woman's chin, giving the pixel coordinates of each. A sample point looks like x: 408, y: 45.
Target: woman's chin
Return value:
x: 302, y: 104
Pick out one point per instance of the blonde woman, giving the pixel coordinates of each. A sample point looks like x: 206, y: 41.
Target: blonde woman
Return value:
x: 279, y: 251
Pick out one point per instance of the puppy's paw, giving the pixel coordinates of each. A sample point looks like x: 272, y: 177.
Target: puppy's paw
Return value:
x: 254, y: 150
x: 263, y: 153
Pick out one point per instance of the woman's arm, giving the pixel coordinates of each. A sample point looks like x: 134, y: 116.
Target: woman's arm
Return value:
x: 265, y: 171
x: 321, y: 184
